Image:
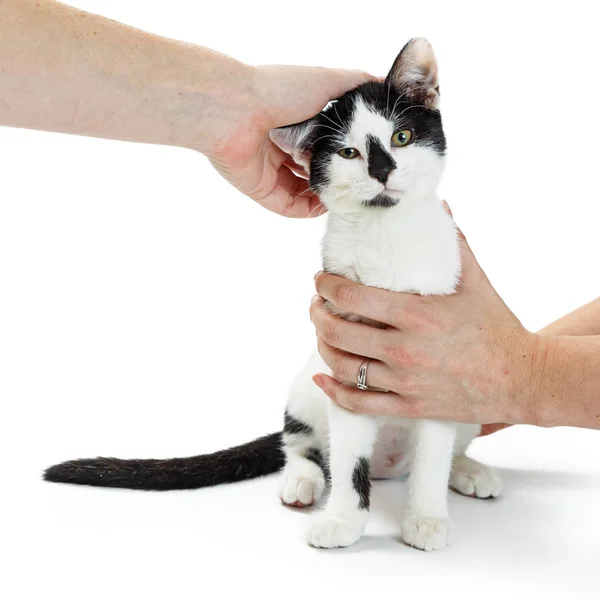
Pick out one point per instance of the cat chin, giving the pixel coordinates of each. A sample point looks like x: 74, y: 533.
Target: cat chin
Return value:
x: 381, y: 201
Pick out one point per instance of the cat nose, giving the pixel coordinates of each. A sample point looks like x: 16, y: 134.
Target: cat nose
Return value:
x: 381, y: 164
x: 381, y: 171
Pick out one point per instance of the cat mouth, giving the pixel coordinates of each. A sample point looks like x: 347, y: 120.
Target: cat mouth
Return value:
x: 381, y: 201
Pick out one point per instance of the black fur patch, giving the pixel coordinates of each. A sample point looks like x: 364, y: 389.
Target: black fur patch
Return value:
x: 254, y: 459
x: 381, y: 164
x: 361, y: 480
x: 293, y: 425
x: 316, y: 456
x: 381, y: 201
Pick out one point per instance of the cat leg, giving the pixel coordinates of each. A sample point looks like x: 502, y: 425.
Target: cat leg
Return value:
x: 426, y: 523
x: 351, y: 441
x: 468, y: 476
x: 303, y: 479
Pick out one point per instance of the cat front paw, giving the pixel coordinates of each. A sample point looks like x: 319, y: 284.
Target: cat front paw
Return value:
x: 329, y: 531
x: 302, y: 486
x: 471, y: 478
x: 427, y: 533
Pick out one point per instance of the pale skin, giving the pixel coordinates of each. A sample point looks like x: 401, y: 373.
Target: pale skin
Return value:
x: 69, y: 71
x: 463, y: 357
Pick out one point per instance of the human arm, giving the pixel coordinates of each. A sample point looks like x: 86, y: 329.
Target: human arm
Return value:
x: 463, y: 357
x: 582, y: 321
x: 69, y: 71
x: 585, y: 320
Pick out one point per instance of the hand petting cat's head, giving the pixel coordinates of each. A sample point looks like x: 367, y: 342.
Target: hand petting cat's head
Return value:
x: 378, y: 145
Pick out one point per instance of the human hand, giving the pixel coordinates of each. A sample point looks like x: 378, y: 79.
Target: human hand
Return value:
x: 464, y: 357
x: 249, y: 160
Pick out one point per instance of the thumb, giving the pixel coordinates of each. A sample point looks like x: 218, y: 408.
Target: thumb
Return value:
x: 471, y: 272
x: 335, y: 82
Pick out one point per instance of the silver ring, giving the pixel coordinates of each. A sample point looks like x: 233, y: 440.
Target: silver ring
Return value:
x: 362, y: 376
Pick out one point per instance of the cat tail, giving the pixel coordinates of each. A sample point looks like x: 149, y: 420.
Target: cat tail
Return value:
x: 262, y: 456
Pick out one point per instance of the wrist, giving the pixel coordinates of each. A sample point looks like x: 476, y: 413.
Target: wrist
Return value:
x: 523, y: 389
x: 219, y: 105
x: 214, y: 100
x: 538, y: 352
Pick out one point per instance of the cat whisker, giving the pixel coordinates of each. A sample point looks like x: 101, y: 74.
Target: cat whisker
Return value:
x: 292, y: 202
x: 412, y: 106
x: 321, y: 206
x: 336, y: 112
x: 323, y: 114
x: 329, y: 135
x: 387, y: 103
x: 338, y: 131
x: 419, y: 87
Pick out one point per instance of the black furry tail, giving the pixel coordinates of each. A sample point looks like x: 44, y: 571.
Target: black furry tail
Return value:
x: 254, y: 459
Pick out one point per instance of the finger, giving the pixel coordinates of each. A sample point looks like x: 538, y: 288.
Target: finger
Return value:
x: 309, y: 89
x: 352, y: 337
x: 471, y: 269
x: 447, y: 208
x: 336, y: 82
x: 472, y: 275
x: 292, y: 197
x: 293, y: 166
x: 374, y: 403
x: 391, y: 308
x: 345, y: 366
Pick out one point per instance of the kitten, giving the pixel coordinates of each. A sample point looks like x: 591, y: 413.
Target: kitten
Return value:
x: 375, y: 157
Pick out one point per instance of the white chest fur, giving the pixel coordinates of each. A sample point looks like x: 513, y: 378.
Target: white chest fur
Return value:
x: 412, y: 247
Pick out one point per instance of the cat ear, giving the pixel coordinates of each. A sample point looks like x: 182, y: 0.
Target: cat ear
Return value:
x: 295, y: 141
x: 415, y: 73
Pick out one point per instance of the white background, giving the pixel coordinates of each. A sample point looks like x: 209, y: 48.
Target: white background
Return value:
x: 149, y: 309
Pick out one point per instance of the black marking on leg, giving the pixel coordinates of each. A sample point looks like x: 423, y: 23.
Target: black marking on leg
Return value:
x: 293, y: 425
x: 316, y: 456
x: 361, y: 480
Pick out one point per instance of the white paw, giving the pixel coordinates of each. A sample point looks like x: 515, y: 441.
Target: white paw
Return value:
x: 333, y: 532
x: 427, y: 533
x: 474, y: 479
x: 302, y: 486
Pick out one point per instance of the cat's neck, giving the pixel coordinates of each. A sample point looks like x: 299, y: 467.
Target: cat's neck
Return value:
x: 389, y: 224
x: 410, y: 247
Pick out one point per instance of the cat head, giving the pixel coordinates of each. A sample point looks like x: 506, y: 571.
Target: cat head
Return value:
x: 378, y: 145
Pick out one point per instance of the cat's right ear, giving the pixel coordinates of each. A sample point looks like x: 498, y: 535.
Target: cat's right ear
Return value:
x: 295, y: 140
x: 415, y: 73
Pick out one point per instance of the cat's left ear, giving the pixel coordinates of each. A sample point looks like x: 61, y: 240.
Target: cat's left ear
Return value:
x: 415, y: 73
x: 295, y: 140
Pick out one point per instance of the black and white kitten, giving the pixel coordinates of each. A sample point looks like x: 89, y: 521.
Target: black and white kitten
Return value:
x: 375, y: 158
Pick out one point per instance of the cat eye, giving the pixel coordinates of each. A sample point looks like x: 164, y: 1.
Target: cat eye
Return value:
x: 349, y: 153
x: 402, y: 138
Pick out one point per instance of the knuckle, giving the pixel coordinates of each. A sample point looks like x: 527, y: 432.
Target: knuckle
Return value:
x: 330, y: 331
x: 417, y: 315
x: 411, y: 409
x: 340, y: 369
x: 346, y: 296
x: 399, y: 354
x: 408, y: 383
x: 413, y: 314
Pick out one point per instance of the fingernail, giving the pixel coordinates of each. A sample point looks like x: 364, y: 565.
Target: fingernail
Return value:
x: 318, y: 380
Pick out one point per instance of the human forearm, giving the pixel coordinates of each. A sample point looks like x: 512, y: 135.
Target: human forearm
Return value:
x: 65, y: 70
x: 566, y: 389
x: 69, y: 71
x: 582, y: 321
